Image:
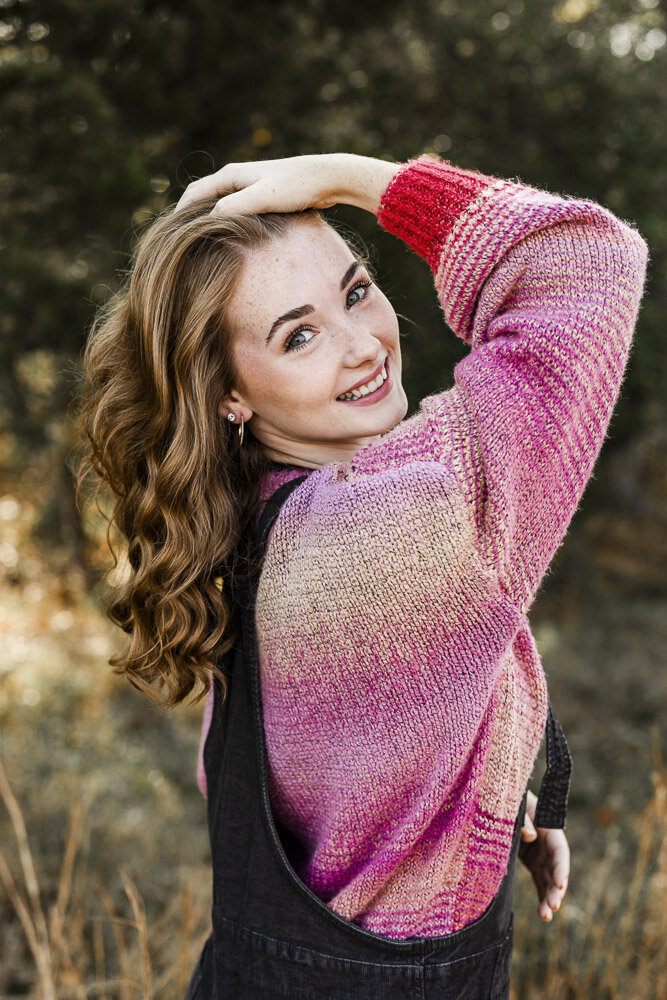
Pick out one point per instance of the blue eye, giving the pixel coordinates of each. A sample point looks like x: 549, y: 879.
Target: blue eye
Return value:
x: 289, y: 343
x: 352, y: 298
x: 356, y: 288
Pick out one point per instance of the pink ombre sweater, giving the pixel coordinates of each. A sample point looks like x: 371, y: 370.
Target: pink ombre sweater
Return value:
x: 403, y: 695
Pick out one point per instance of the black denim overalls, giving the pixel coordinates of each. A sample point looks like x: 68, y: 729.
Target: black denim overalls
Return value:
x: 274, y: 938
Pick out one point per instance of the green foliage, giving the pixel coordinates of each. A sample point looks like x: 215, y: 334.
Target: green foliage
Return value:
x: 108, y: 107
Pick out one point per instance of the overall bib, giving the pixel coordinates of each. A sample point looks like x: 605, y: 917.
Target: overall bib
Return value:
x: 272, y: 936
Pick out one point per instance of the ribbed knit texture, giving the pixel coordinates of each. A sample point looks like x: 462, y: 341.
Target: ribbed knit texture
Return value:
x: 404, y: 699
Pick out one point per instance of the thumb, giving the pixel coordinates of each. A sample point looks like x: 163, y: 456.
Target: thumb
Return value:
x: 528, y: 831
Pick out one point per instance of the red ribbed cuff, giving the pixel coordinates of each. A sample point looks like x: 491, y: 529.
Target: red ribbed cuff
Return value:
x: 423, y: 201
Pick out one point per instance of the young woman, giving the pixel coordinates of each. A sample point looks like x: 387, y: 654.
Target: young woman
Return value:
x: 356, y: 583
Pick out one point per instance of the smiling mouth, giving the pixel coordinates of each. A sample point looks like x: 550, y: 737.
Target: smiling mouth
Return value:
x: 368, y: 388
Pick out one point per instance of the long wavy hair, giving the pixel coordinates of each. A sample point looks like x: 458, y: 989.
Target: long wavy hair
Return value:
x: 157, y: 365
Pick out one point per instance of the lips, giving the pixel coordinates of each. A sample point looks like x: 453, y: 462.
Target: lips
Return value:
x: 370, y: 397
x: 369, y: 378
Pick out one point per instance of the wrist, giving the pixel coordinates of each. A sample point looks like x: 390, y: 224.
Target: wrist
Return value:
x: 362, y: 180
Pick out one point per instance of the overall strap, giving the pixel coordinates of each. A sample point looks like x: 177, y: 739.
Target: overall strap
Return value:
x: 256, y: 539
x: 272, y: 509
x: 551, y: 809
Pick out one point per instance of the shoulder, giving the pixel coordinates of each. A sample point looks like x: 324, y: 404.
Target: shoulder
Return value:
x: 347, y: 511
x: 405, y: 470
x: 393, y: 538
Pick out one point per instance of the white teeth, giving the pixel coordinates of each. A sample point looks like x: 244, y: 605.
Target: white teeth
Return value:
x: 366, y: 390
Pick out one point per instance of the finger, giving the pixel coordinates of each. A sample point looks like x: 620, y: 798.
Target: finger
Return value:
x: 554, y: 898
x: 528, y: 831
x: 249, y: 201
x: 549, y: 901
x: 561, y: 873
x: 197, y: 191
x: 212, y: 186
x: 531, y: 804
x: 560, y: 862
x: 542, y: 884
x: 258, y: 198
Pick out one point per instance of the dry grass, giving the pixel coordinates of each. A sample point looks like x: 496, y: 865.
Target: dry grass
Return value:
x: 606, y: 944
x: 81, y: 951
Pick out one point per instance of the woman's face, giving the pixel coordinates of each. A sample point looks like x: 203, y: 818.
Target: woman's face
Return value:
x: 309, y: 326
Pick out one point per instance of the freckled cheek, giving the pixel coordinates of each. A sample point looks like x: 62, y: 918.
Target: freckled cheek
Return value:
x: 280, y: 395
x: 388, y: 324
x: 260, y: 383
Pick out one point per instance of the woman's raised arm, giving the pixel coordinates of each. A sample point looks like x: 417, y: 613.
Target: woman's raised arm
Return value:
x: 294, y: 184
x: 545, y: 289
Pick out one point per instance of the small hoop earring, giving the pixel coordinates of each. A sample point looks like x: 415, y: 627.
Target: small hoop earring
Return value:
x: 232, y: 418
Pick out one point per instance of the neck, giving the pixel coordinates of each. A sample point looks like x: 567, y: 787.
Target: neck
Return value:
x: 313, y: 455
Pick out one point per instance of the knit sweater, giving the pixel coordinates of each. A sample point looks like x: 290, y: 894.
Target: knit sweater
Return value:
x: 403, y: 696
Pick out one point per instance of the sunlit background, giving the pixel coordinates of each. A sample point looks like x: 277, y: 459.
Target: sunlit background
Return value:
x: 107, y: 109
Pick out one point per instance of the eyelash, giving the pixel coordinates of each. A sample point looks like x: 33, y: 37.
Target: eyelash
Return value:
x: 299, y: 329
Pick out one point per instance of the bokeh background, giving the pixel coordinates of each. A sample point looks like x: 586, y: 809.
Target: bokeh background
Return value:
x: 107, y: 109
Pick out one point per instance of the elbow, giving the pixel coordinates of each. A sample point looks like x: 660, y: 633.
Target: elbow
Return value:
x: 635, y: 251
x: 640, y: 262
x: 643, y: 256
x: 617, y: 242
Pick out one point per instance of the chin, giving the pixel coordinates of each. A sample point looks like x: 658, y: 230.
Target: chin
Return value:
x: 394, y: 419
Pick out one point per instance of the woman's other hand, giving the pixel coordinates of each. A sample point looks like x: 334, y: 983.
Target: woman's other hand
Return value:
x: 294, y: 183
x: 546, y: 855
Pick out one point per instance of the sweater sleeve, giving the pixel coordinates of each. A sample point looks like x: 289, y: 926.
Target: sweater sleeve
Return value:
x: 545, y: 290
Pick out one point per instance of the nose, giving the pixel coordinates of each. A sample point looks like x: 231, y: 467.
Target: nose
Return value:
x: 361, y: 344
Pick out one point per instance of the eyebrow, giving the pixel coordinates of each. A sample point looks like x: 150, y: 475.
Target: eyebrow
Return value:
x: 301, y: 311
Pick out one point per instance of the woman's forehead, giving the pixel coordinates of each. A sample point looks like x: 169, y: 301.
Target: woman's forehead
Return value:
x: 310, y: 257
x: 305, y: 243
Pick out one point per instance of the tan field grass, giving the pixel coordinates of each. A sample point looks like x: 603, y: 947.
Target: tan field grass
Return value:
x: 82, y: 950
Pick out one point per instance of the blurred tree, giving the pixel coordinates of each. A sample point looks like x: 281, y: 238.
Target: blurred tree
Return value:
x: 108, y: 107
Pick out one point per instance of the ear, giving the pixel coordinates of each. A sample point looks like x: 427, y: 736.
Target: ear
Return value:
x: 234, y: 403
